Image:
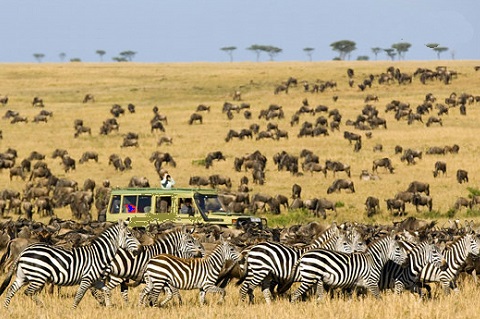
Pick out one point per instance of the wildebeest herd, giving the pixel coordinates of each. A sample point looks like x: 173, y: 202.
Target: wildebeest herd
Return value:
x: 42, y: 183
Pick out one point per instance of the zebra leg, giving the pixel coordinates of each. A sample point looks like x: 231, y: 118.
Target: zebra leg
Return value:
x: 319, y: 290
x: 266, y: 285
x: 32, y: 291
x: 176, y: 293
x: 124, y: 291
x: 84, y: 285
x: 19, y: 283
x: 304, y: 286
x: 250, y: 283
x: 99, y: 297
x: 168, y: 292
x: 212, y: 289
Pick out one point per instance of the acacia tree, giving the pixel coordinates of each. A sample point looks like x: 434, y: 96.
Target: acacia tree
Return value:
x: 376, y: 51
x: 257, y: 49
x: 229, y: 51
x: 62, y: 56
x: 38, y: 57
x: 101, y: 53
x: 440, y: 50
x: 128, y: 55
x: 272, y: 51
x: 401, y: 48
x: 390, y: 53
x: 309, y: 52
x: 344, y: 48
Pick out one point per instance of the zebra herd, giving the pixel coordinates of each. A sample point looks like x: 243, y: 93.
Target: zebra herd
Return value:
x: 339, y: 258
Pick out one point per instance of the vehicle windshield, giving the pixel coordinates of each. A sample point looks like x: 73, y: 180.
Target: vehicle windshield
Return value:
x: 209, y: 203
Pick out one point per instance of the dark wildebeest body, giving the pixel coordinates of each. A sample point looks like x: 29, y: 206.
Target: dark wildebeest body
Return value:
x: 383, y: 162
x: 419, y: 187
x: 336, y: 166
x: 422, y: 200
x: 339, y: 184
x: 372, y: 205
x: 395, y: 204
x: 440, y: 167
x: 462, y: 176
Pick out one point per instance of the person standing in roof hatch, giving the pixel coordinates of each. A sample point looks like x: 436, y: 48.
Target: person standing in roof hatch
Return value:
x: 167, y: 181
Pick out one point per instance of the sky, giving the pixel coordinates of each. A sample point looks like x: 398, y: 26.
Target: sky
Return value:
x: 196, y: 30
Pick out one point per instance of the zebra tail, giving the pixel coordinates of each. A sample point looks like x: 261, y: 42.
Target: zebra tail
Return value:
x: 7, y: 280
x: 5, y: 255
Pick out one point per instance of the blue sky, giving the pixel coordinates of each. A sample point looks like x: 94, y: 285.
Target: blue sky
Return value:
x: 195, y: 30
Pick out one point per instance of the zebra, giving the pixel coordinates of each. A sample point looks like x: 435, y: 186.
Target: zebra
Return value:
x: 271, y: 262
x: 342, y: 270
x: 455, y: 256
x: 418, y: 257
x: 173, y: 273
x: 125, y: 266
x: 40, y: 263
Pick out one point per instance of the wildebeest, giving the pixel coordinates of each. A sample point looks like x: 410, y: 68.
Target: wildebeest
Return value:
x: 203, y: 107
x: 462, y: 176
x: 372, y: 205
x: 383, y: 162
x: 422, y: 200
x: 217, y: 179
x: 352, y: 136
x: 199, y: 181
x: 195, y: 117
x: 336, y: 166
x: 462, y: 202
x: 68, y: 163
x: 88, y: 155
x: 296, y: 191
x: 395, y: 204
x: 157, y: 125
x: 404, y: 196
x: 82, y: 129
x: 88, y: 98
x: 339, y: 184
x: 419, y: 187
x: 139, y: 181
x: 37, y: 101
x: 440, y: 167
x: 434, y: 119
x: 165, y: 140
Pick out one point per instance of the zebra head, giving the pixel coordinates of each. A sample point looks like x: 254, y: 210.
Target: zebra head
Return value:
x: 341, y: 243
x: 227, y: 251
x: 127, y: 240
x: 473, y: 244
x: 396, y: 253
x: 189, y: 246
x: 435, y: 256
x: 358, y: 242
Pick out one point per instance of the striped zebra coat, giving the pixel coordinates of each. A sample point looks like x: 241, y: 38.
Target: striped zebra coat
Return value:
x: 341, y: 270
x: 39, y: 263
x: 272, y: 263
x: 401, y: 278
x: 170, y: 273
x: 126, y: 266
x: 456, y: 257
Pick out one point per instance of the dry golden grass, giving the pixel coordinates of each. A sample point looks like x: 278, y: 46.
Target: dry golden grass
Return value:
x: 177, y: 89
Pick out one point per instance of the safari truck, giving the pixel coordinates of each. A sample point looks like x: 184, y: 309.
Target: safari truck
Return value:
x: 143, y: 206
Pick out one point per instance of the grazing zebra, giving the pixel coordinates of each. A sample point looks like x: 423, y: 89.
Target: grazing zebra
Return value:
x: 401, y: 278
x: 40, y: 263
x: 271, y: 262
x: 342, y: 270
x: 455, y: 256
x: 173, y: 273
x: 125, y: 266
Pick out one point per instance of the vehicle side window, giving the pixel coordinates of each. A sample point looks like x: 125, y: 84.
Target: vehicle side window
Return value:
x: 163, y: 204
x: 129, y: 204
x: 144, y: 203
x: 115, y: 207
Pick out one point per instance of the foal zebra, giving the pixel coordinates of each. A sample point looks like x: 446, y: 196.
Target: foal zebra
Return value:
x: 455, y: 256
x: 41, y: 263
x: 125, y: 266
x: 173, y: 273
x: 342, y: 270
x: 271, y: 262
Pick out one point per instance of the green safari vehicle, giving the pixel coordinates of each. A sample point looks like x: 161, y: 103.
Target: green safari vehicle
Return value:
x: 143, y: 206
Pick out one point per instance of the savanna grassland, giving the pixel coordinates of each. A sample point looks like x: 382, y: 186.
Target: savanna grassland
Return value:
x: 177, y: 89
